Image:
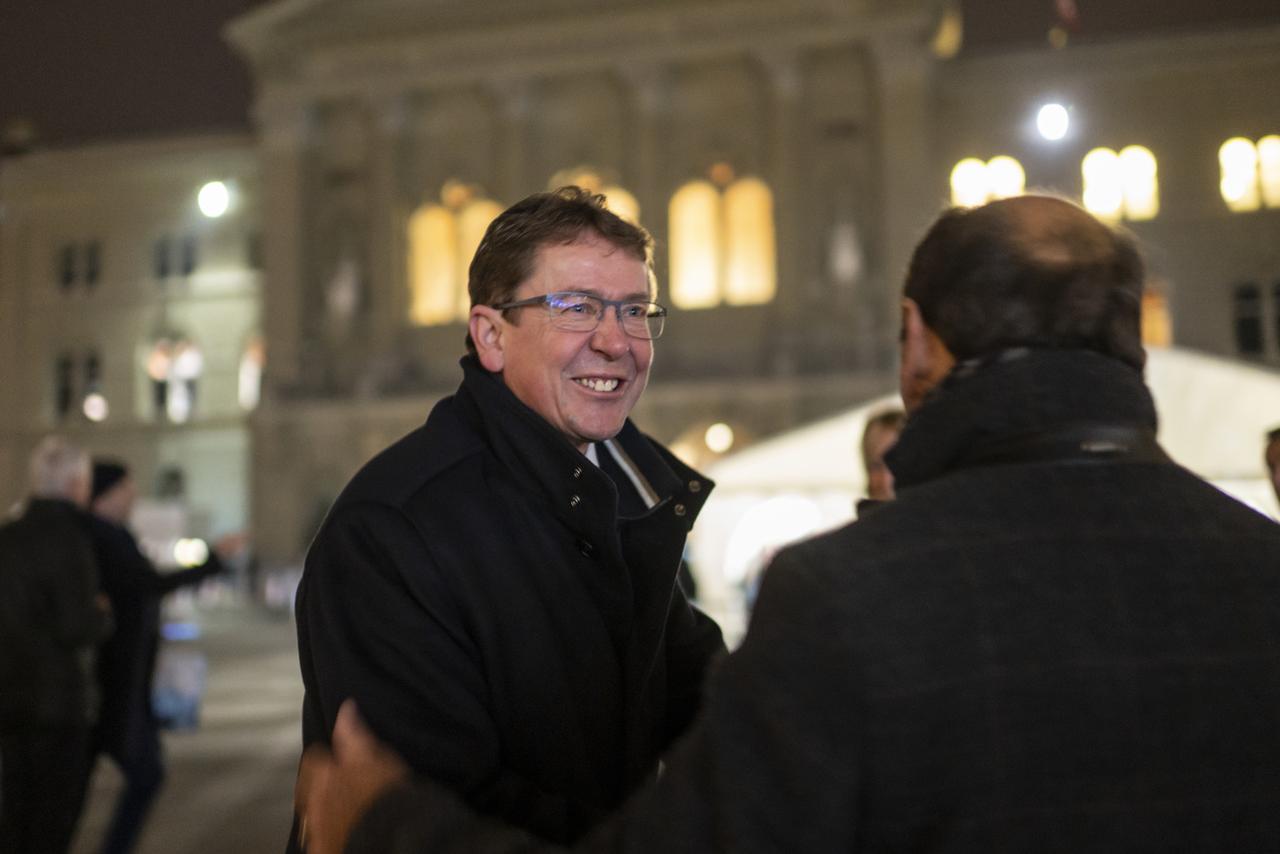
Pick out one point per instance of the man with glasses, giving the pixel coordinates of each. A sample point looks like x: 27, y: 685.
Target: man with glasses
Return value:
x: 497, y: 591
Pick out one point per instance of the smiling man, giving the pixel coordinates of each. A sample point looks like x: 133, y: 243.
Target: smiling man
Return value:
x: 498, y: 589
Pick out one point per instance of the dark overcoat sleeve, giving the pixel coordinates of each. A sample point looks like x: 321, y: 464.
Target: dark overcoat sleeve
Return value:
x: 77, y: 620
x: 379, y: 621
x: 769, y: 766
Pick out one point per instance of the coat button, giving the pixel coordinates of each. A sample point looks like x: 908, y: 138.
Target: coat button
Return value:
x: 586, y: 548
x: 575, y: 500
x: 678, y: 509
x: 577, y: 472
x: 695, y: 486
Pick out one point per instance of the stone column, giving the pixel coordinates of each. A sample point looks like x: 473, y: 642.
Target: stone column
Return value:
x: 909, y: 190
x: 645, y: 89
x: 287, y: 133
x: 513, y: 98
x: 387, y: 221
x: 783, y: 115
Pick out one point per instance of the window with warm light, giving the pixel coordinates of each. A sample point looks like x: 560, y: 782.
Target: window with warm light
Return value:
x: 1123, y: 185
x: 1250, y: 173
x: 975, y: 182
x: 442, y: 238
x: 723, y: 241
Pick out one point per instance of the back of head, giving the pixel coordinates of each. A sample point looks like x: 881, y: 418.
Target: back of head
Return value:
x: 1030, y: 271
x: 509, y: 248
x: 59, y: 469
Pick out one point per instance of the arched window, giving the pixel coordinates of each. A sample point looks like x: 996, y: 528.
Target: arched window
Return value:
x: 1121, y: 186
x: 442, y: 239
x: 974, y: 182
x: 722, y: 238
x: 1250, y: 173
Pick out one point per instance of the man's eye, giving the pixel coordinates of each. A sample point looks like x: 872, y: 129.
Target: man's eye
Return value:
x: 635, y: 310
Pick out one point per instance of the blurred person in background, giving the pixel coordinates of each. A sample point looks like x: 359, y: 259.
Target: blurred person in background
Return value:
x: 1053, y: 638
x: 880, y: 434
x: 127, y: 728
x: 498, y: 589
x: 51, y: 617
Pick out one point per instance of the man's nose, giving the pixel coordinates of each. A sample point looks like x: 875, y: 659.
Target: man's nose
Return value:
x: 610, y: 338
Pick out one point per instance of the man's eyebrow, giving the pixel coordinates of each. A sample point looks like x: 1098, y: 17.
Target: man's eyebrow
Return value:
x: 634, y: 296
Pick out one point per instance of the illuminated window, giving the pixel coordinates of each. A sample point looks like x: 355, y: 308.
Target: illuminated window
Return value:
x: 442, y: 239
x: 974, y: 182
x: 722, y: 239
x: 1123, y: 185
x: 617, y: 199
x: 1250, y: 173
x: 174, y: 366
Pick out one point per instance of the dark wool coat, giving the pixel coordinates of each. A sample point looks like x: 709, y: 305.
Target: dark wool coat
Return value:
x: 126, y: 662
x: 475, y: 591
x: 48, y: 619
x: 1049, y: 651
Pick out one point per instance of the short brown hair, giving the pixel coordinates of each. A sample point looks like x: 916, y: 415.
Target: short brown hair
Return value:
x: 506, y: 254
x: 1030, y: 271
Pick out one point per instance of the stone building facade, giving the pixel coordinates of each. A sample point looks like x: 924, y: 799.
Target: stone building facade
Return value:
x: 129, y: 319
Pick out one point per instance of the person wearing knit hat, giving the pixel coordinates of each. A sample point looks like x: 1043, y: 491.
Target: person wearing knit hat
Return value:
x: 127, y: 730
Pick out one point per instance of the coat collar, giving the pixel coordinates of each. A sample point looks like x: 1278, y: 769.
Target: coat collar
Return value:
x: 1011, y: 395
x: 579, y: 493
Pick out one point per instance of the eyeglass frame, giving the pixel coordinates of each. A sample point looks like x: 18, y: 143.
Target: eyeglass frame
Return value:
x: 616, y: 304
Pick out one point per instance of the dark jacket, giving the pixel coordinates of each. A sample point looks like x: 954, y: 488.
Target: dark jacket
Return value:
x: 1032, y: 649
x: 126, y: 662
x: 474, y: 589
x: 49, y: 621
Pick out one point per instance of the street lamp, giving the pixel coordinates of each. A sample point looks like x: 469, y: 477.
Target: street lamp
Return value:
x: 1053, y: 121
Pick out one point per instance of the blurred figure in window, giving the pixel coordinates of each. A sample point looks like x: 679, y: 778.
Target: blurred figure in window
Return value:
x: 51, y: 616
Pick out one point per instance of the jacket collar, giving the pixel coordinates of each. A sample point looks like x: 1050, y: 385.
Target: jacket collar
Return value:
x: 582, y: 495
x: 1011, y: 395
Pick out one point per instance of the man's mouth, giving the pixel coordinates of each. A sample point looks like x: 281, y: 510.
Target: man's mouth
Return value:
x: 598, y: 383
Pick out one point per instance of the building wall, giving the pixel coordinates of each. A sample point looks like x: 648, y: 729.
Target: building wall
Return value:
x: 366, y: 111
x: 125, y: 200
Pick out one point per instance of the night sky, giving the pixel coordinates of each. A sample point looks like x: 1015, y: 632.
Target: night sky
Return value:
x: 86, y: 71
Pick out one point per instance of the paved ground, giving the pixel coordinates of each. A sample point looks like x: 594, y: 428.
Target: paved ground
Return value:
x: 230, y: 783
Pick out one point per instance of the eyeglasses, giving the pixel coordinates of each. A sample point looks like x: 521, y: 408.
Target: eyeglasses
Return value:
x: 577, y: 312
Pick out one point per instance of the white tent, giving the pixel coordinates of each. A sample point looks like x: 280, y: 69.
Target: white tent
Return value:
x: 1213, y: 413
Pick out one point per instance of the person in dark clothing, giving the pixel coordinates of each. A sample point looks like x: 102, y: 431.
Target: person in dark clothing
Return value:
x: 51, y: 616
x: 498, y: 589
x: 127, y: 729
x: 1054, y: 639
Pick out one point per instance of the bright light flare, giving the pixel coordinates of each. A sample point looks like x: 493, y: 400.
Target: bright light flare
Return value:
x: 214, y: 199
x: 719, y: 438
x: 1053, y: 121
x: 190, y: 552
x: 95, y: 407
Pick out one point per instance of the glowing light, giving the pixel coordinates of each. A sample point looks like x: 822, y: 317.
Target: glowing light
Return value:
x: 1053, y: 121
x: 1103, y: 188
x: 1269, y: 166
x: 1141, y: 189
x: 1238, y: 159
x: 214, y: 199
x: 719, y: 437
x: 190, y: 552
x: 95, y: 407
x: 969, y: 183
x: 1005, y: 177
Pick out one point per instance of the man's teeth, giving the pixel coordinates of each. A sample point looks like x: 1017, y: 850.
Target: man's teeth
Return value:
x: 597, y: 385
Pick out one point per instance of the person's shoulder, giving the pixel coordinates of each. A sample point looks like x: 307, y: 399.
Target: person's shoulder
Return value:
x: 403, y: 469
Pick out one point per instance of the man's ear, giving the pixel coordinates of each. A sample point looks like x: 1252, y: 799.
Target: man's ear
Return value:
x: 486, y: 327
x: 925, y: 360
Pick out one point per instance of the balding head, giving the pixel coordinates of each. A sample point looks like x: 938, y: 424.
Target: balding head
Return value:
x: 1031, y: 271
